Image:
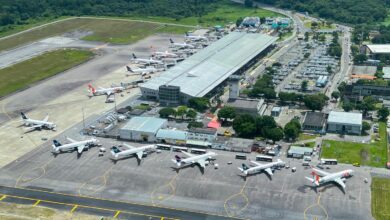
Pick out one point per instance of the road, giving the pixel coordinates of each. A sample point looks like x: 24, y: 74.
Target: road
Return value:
x: 97, y: 206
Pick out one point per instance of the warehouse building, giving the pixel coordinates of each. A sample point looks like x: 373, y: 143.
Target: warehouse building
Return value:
x: 253, y: 107
x: 345, y: 122
x: 204, y: 71
x: 142, y: 129
x: 299, y: 152
x: 170, y: 136
x: 202, y: 134
x: 374, y: 51
x: 314, y: 121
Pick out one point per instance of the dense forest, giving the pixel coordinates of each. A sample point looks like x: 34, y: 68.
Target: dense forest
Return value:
x: 344, y: 11
x: 20, y: 11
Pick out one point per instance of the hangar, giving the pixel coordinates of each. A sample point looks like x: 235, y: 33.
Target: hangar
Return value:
x: 204, y: 71
x: 142, y: 129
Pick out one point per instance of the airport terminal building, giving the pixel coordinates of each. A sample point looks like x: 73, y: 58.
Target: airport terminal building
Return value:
x: 204, y: 71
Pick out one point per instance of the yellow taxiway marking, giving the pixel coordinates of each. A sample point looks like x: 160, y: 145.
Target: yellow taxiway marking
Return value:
x: 234, y: 206
x: 74, y: 208
x: 116, y: 214
x: 36, y: 203
x: 3, y: 197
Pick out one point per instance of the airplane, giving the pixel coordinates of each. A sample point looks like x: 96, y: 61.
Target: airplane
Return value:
x: 37, y: 124
x: 73, y: 145
x: 105, y: 91
x: 181, y: 45
x: 141, y: 71
x: 195, y: 37
x: 194, y: 159
x: 165, y: 54
x: 137, y: 151
x: 321, y: 177
x: 260, y: 167
x: 146, y: 61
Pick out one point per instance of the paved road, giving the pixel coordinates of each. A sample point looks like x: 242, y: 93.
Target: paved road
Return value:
x: 117, y: 209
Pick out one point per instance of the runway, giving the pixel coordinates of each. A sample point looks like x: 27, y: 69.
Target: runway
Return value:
x: 109, y: 208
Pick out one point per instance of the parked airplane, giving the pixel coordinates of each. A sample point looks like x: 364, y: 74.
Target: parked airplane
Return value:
x: 321, y: 177
x: 195, y: 37
x: 181, y: 45
x: 165, y: 54
x: 146, y: 61
x: 37, y: 124
x: 141, y: 71
x: 137, y: 151
x: 260, y: 167
x: 78, y: 146
x: 104, y: 91
x: 202, y: 160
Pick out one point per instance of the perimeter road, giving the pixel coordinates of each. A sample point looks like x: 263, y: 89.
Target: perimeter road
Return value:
x: 96, y: 205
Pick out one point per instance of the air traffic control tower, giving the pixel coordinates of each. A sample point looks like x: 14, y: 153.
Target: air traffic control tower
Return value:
x: 234, y: 87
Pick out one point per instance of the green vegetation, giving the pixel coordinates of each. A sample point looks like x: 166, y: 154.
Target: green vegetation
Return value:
x: 226, y: 113
x: 304, y: 137
x: 372, y: 154
x: 310, y: 144
x: 247, y: 126
x: 292, y: 129
x: 143, y: 106
x: 21, y: 75
x: 319, y: 25
x: 105, y: 30
x: 380, y: 194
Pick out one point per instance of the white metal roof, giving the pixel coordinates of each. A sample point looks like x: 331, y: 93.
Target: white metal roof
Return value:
x: 379, y: 48
x: 386, y: 72
x: 171, y: 134
x: 350, y: 118
x: 206, y: 69
x: 145, y: 124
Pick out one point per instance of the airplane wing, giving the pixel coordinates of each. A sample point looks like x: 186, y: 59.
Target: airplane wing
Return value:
x: 255, y: 163
x: 80, y: 148
x: 340, y: 182
x: 269, y: 171
x: 321, y: 172
x: 202, y: 162
x: 71, y: 140
x: 33, y: 128
x: 140, y: 154
x: 187, y: 154
x: 46, y: 118
x: 101, y: 88
x: 128, y: 146
x: 109, y: 93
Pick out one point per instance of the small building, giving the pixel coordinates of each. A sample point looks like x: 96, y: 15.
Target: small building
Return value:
x: 142, y: 129
x: 275, y: 112
x: 386, y: 104
x: 170, y: 136
x: 198, y: 143
x: 386, y: 72
x: 299, y: 152
x: 313, y: 121
x: 240, y: 145
x: 202, y: 134
x: 345, y: 122
x: 253, y: 107
x: 251, y: 22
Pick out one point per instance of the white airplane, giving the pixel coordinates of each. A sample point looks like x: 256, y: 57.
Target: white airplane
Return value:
x: 141, y: 71
x: 195, y: 37
x: 165, y: 54
x: 181, y: 45
x: 137, y: 151
x: 73, y: 145
x: 105, y: 91
x: 321, y: 177
x: 146, y: 61
x: 37, y: 124
x: 202, y: 160
x: 260, y: 167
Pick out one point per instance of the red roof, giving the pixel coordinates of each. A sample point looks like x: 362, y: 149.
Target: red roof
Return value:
x: 214, y: 124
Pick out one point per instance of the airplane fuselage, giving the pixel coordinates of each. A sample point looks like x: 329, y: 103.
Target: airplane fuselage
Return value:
x: 130, y: 152
x: 108, y: 91
x: 29, y: 122
x: 331, y: 177
x: 191, y: 160
x: 73, y: 146
x: 262, y: 167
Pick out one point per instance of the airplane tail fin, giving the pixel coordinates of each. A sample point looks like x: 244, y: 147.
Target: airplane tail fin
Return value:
x: 114, y: 151
x: 316, y: 178
x: 23, y: 115
x: 187, y: 34
x: 177, y: 160
x: 310, y: 179
x: 129, y: 69
x: 91, y: 88
x: 172, y: 42
x: 244, y: 167
x: 134, y: 56
x: 55, y: 145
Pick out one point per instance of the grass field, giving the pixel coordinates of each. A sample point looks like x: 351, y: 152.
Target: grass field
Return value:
x: 372, y: 154
x: 380, y: 198
x: 112, y: 31
x: 21, y: 75
x: 304, y: 137
x: 320, y: 25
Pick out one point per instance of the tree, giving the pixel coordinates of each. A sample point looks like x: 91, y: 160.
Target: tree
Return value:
x: 335, y: 95
x: 383, y: 113
x: 244, y: 125
x: 315, y: 102
x: 263, y: 123
x: 329, y: 69
x: 248, y: 3
x: 199, y: 104
x: 360, y: 58
x: 195, y: 124
x: 347, y: 106
x: 227, y: 112
x: 239, y: 21
x: 292, y: 129
x: 366, y: 126
x: 304, y: 85
x: 368, y: 104
x: 322, y: 38
x: 191, y: 113
x: 306, y: 55
x: 166, y: 112
x: 181, y: 111
x: 275, y: 134
x: 342, y: 87
x: 306, y: 36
